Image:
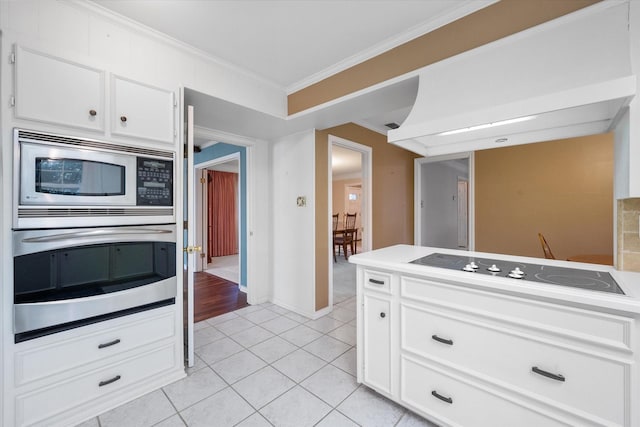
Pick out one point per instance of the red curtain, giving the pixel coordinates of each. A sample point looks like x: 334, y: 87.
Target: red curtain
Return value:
x: 222, y: 215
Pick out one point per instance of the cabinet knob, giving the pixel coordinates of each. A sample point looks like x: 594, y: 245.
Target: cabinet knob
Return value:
x: 123, y: 119
x: 93, y: 113
x: 383, y: 315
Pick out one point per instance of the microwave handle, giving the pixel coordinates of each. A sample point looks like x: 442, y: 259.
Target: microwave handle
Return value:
x: 93, y: 233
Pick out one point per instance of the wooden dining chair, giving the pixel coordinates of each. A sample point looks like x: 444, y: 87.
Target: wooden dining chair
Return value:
x: 336, y: 219
x: 545, y: 247
x: 346, y: 238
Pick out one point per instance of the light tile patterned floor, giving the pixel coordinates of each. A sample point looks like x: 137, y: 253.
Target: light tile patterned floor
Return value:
x: 266, y: 366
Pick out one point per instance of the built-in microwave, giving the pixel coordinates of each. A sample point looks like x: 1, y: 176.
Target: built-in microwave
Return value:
x: 62, y: 181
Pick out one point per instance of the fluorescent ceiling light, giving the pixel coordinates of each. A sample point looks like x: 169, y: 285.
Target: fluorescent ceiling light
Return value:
x: 487, y: 125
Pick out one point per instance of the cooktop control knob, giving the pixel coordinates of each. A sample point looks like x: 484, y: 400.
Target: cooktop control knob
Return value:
x: 494, y: 268
x: 516, y: 273
x: 469, y: 268
x: 473, y: 265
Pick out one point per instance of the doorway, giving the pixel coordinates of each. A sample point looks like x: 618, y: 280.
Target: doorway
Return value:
x: 218, y: 217
x: 349, y: 191
x: 444, y: 202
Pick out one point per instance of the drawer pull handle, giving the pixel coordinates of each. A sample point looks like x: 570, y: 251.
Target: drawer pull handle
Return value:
x: 383, y: 315
x: 442, y: 340
x: 93, y: 113
x: 109, y: 381
x: 109, y: 344
x: 544, y: 373
x: 123, y: 119
x: 376, y: 282
x: 441, y: 397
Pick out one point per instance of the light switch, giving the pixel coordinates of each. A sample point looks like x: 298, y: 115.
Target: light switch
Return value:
x: 301, y: 201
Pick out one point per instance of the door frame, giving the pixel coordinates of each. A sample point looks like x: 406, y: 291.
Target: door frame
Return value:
x: 254, y: 286
x: 417, y: 192
x: 366, y: 206
x: 201, y: 203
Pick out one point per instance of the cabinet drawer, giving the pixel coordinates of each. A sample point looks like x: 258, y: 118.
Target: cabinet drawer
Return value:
x: 377, y: 281
x: 587, y: 383
x: 48, y: 360
x: 37, y: 407
x: 457, y: 403
x: 605, y: 330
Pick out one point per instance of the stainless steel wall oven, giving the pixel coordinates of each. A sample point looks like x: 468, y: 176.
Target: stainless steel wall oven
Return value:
x: 94, y: 231
x: 66, y: 278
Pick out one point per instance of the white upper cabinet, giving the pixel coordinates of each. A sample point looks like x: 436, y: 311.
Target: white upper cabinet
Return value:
x: 58, y: 91
x: 141, y: 111
x: 54, y: 90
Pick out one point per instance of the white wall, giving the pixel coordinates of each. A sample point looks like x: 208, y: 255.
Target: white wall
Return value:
x: 439, y: 214
x: 259, y: 218
x: 83, y: 30
x: 293, y: 159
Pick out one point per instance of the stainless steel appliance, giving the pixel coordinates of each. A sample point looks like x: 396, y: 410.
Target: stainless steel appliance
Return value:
x: 69, y: 278
x: 562, y: 276
x: 62, y: 181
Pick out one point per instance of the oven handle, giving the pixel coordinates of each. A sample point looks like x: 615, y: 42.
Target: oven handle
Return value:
x: 93, y: 233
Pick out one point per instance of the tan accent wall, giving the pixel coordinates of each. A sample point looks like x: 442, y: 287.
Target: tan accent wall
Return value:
x: 392, y: 195
x: 562, y: 189
x: 322, y: 222
x: 628, y: 251
x: 492, y: 23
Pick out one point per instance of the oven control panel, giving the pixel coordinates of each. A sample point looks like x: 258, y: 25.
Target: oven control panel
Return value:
x: 154, y: 186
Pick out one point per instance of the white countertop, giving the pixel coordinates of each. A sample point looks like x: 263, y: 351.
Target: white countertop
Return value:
x: 397, y: 258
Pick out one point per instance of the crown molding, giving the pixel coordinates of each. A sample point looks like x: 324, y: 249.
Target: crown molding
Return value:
x: 416, y: 31
x: 147, y: 31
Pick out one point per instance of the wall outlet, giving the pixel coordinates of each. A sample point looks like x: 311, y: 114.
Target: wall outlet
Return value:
x: 301, y: 201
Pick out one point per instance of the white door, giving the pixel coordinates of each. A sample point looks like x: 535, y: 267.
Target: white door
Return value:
x: 191, y: 249
x: 377, y: 342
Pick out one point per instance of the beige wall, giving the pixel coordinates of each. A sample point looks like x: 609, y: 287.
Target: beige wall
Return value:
x: 628, y: 250
x: 563, y: 189
x: 494, y: 22
x: 322, y: 228
x: 392, y: 195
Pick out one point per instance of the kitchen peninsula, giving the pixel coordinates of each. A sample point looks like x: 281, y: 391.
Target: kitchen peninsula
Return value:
x: 452, y: 337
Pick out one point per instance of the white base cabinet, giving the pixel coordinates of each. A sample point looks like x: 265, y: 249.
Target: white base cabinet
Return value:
x: 463, y: 356
x: 62, y: 379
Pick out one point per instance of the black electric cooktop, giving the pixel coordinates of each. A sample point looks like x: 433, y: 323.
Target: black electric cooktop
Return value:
x: 561, y: 276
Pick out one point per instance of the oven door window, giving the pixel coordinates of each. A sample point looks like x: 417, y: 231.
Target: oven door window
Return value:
x: 78, y: 177
x: 91, y: 270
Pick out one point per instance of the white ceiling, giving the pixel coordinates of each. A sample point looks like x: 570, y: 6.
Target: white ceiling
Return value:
x: 293, y: 43
x: 345, y: 163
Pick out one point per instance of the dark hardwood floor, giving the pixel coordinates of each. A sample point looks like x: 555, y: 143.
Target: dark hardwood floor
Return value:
x: 214, y: 296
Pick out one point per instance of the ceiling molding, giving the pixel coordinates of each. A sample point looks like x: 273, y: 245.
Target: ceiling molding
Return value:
x: 140, y: 28
x: 399, y: 39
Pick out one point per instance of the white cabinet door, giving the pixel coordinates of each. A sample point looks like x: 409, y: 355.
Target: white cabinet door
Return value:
x: 377, y: 343
x: 53, y: 90
x: 141, y: 111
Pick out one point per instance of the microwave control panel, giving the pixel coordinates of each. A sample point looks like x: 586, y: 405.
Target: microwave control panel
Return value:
x: 154, y: 182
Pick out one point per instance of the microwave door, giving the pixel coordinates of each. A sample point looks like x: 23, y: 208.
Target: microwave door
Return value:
x: 50, y: 175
